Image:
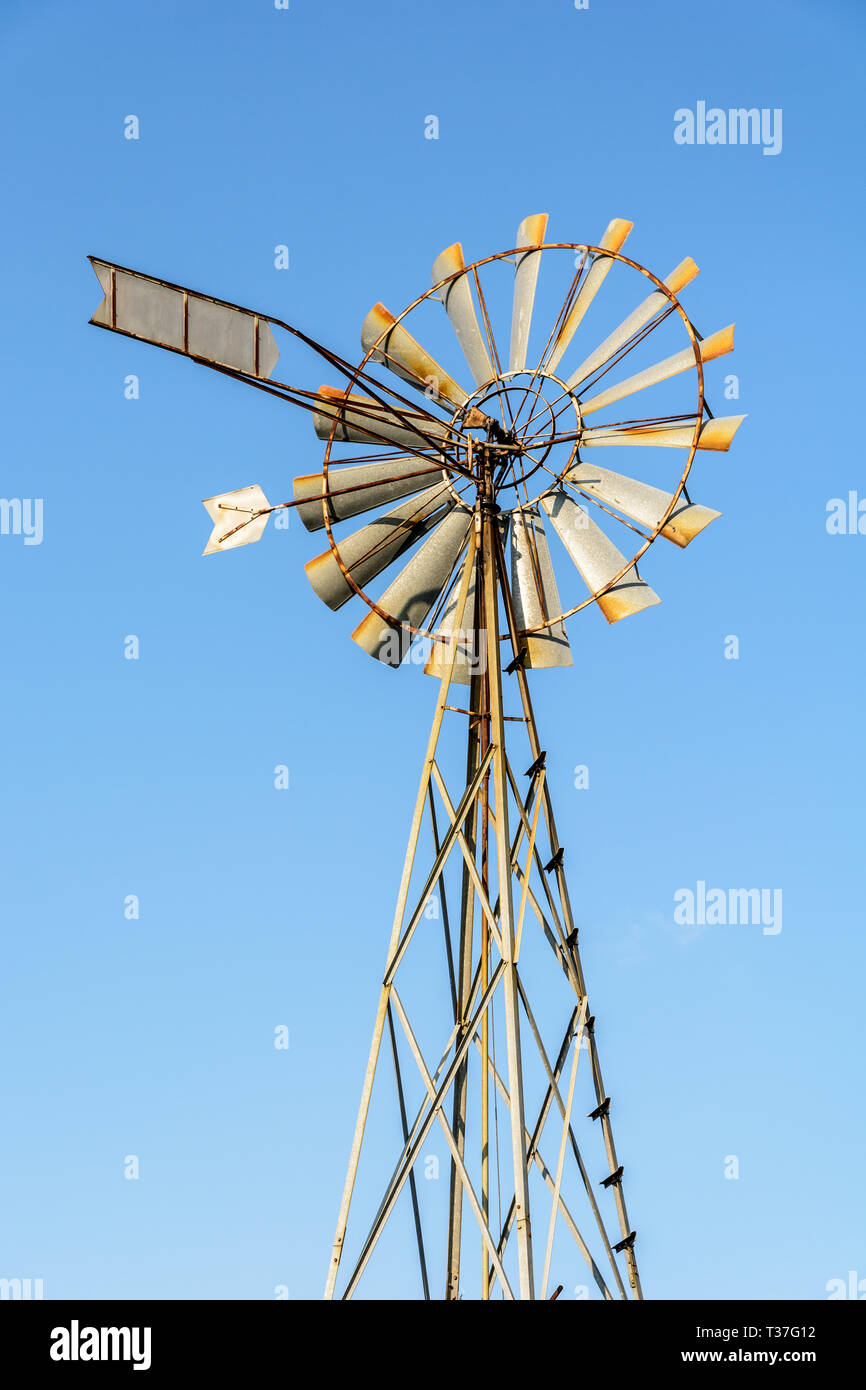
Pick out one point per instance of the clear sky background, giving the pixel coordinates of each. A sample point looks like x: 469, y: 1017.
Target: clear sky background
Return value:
x: 155, y: 777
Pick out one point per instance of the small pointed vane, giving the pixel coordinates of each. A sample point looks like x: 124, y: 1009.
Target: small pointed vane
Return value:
x: 239, y: 518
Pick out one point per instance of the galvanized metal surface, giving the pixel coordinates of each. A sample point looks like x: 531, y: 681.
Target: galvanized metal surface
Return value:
x: 536, y: 597
x: 149, y: 309
x: 368, y: 551
x: 471, y: 648
x: 614, y: 237
x: 411, y: 596
x: 530, y: 235
x: 360, y: 419
x: 645, y: 504
x: 713, y: 434
x: 440, y: 651
x: 349, y: 492
x: 715, y: 346
x: 598, y: 560
x: 655, y: 303
x: 388, y: 342
x: 457, y: 298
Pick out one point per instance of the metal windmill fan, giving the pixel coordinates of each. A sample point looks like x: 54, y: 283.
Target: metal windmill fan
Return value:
x: 479, y: 500
x: 533, y: 426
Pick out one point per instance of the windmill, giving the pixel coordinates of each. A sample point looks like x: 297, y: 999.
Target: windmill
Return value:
x: 471, y: 479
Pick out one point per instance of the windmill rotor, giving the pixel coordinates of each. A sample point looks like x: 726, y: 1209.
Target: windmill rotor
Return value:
x: 531, y: 428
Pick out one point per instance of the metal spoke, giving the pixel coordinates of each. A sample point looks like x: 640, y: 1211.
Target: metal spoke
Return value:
x: 491, y: 343
x: 596, y: 375
x: 412, y: 1186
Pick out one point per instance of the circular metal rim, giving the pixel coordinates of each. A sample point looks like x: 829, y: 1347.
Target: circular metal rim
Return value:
x: 474, y: 266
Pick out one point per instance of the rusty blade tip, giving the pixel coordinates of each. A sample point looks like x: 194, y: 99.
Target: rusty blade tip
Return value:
x: 531, y: 232
x: 448, y: 262
x: 615, y: 233
x: 718, y: 344
x: 682, y: 275
x: 616, y: 605
x: 718, y: 432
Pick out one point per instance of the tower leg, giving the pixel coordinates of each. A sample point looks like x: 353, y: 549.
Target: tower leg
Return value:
x: 464, y: 981
x: 506, y: 909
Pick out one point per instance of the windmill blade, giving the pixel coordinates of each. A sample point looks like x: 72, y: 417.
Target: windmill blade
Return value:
x: 369, y: 551
x: 530, y: 234
x: 470, y: 656
x: 362, y: 420
x: 399, y: 351
x: 614, y: 237
x: 643, y: 503
x: 457, y: 298
x: 715, y: 434
x: 413, y: 593
x: 598, y: 559
x: 716, y: 345
x: 351, y: 491
x: 534, y: 592
x: 210, y: 330
x: 638, y: 319
x: 239, y: 518
x: 440, y: 652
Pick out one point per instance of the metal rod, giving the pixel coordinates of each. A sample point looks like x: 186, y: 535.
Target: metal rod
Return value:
x: 566, y: 1125
x: 490, y: 538
x: 443, y: 900
x: 453, y: 834
x: 484, y: 737
x: 529, y: 855
x: 467, y: 921
x: 412, y: 1185
x: 488, y: 913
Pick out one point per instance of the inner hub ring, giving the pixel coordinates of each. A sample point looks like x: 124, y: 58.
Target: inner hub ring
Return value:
x: 528, y: 402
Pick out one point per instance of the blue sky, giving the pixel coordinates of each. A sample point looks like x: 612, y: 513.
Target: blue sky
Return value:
x: 155, y: 777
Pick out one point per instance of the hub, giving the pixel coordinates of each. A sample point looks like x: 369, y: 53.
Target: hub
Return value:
x: 518, y: 419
